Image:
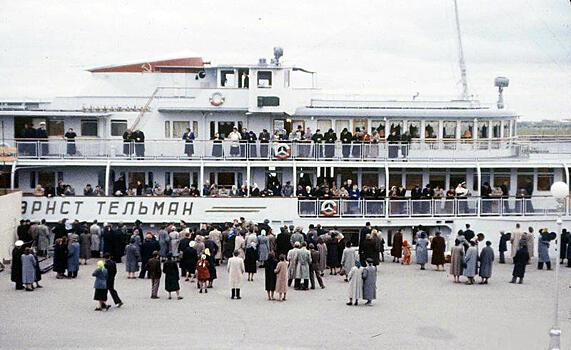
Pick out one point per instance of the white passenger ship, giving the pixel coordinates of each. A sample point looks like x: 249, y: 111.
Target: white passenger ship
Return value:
x: 451, y: 142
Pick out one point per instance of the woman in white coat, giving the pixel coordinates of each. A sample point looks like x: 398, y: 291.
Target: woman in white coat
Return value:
x: 236, y: 273
x: 355, y: 283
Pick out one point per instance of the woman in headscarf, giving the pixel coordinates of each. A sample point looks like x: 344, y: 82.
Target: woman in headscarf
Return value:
x: 348, y: 260
x: 422, y: 250
x: 355, y: 283
x: 281, y: 278
x: 270, y: 266
x: 211, y: 267
x: 202, y: 273
x: 132, y: 258
x: 28, y: 269
x: 171, y: 277
x: 457, y: 261
x: 100, y: 286
x: 250, y: 261
x: 263, y: 248
x: 60, y: 258
x: 188, y: 262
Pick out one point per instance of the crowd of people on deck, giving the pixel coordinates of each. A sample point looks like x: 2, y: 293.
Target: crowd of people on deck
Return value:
x: 288, y: 257
x: 274, y: 188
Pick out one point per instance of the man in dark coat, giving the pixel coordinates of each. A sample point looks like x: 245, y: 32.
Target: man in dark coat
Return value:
x: 520, y: 259
x: 147, y: 249
x: 438, y: 246
x: 118, y: 243
x: 154, y: 268
x: 396, y: 250
x: 111, y: 268
x: 59, y: 230
x: 468, y: 233
x: 503, y: 247
x: 362, y: 236
x: 314, y: 267
x: 370, y: 250
x: 565, y: 240
x: 283, y: 244
x: 16, y: 265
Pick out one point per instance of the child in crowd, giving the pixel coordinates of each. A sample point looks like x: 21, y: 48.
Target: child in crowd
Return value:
x: 405, y: 253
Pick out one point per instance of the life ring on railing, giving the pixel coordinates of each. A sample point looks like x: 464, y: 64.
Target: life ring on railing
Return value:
x: 282, y: 150
x: 329, y: 208
x: 217, y: 99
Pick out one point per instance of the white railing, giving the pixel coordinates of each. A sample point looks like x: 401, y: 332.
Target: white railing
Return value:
x: 93, y: 148
x: 441, y: 207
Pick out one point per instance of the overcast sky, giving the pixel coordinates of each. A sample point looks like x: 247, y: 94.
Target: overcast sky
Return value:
x: 378, y: 46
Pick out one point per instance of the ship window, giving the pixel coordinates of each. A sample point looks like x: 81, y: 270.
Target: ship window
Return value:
x: 414, y: 128
x: 437, y: 180
x: 244, y: 81
x: 449, y: 130
x: 395, y: 180
x: 179, y: 128
x: 456, y: 178
x: 195, y: 128
x: 413, y: 180
x: 496, y: 129
x: 370, y: 179
x: 360, y: 124
x: 134, y: 177
x: 181, y: 179
x: 227, y: 78
x: 89, y: 127
x: 523, y: 181
x: 55, y: 127
x: 485, y: 178
x: 379, y: 126
x: 264, y: 79
x: 324, y: 125
x: 46, y: 178
x: 483, y: 129
x: 544, y: 179
x: 340, y: 125
x: 507, y: 128
x: 430, y: 129
x: 467, y: 129
x: 225, y: 179
x: 118, y: 127
x: 167, y: 129
x: 396, y: 125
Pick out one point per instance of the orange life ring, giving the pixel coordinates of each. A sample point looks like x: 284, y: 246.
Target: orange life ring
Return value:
x: 282, y: 150
x: 217, y: 99
x: 329, y: 208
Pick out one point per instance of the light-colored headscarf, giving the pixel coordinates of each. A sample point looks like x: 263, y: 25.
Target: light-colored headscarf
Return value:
x: 100, y: 264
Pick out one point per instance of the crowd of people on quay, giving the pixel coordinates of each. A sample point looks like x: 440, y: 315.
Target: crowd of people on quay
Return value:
x: 288, y: 257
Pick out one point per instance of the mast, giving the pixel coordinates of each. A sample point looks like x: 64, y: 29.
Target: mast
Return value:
x: 464, y: 79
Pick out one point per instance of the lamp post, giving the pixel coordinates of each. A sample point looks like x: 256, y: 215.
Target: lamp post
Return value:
x: 559, y: 191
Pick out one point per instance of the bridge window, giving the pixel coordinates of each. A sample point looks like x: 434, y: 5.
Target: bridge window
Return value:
x: 264, y: 79
x: 181, y: 179
x: 118, y: 127
x: 467, y: 129
x: 483, y: 131
x: 227, y: 78
x: 179, y: 128
x: 55, y: 127
x: 431, y: 129
x: 496, y: 129
x: 89, y: 127
x: 449, y: 130
x: 414, y: 128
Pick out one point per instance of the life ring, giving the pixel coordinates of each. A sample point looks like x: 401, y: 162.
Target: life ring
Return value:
x: 282, y: 150
x: 329, y: 208
x: 217, y: 99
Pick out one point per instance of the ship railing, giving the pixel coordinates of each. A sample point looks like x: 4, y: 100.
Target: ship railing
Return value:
x: 440, y: 207
x: 423, y: 150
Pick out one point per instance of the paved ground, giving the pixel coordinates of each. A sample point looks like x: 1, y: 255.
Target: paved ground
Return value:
x: 416, y: 310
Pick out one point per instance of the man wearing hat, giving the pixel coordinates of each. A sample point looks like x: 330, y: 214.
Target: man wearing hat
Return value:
x: 369, y: 276
x: 16, y: 265
x: 42, y: 133
x: 111, y: 268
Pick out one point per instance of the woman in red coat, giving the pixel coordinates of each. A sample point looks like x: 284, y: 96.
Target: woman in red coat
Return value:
x: 202, y: 273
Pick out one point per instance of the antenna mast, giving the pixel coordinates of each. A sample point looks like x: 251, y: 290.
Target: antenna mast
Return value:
x: 461, y: 55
